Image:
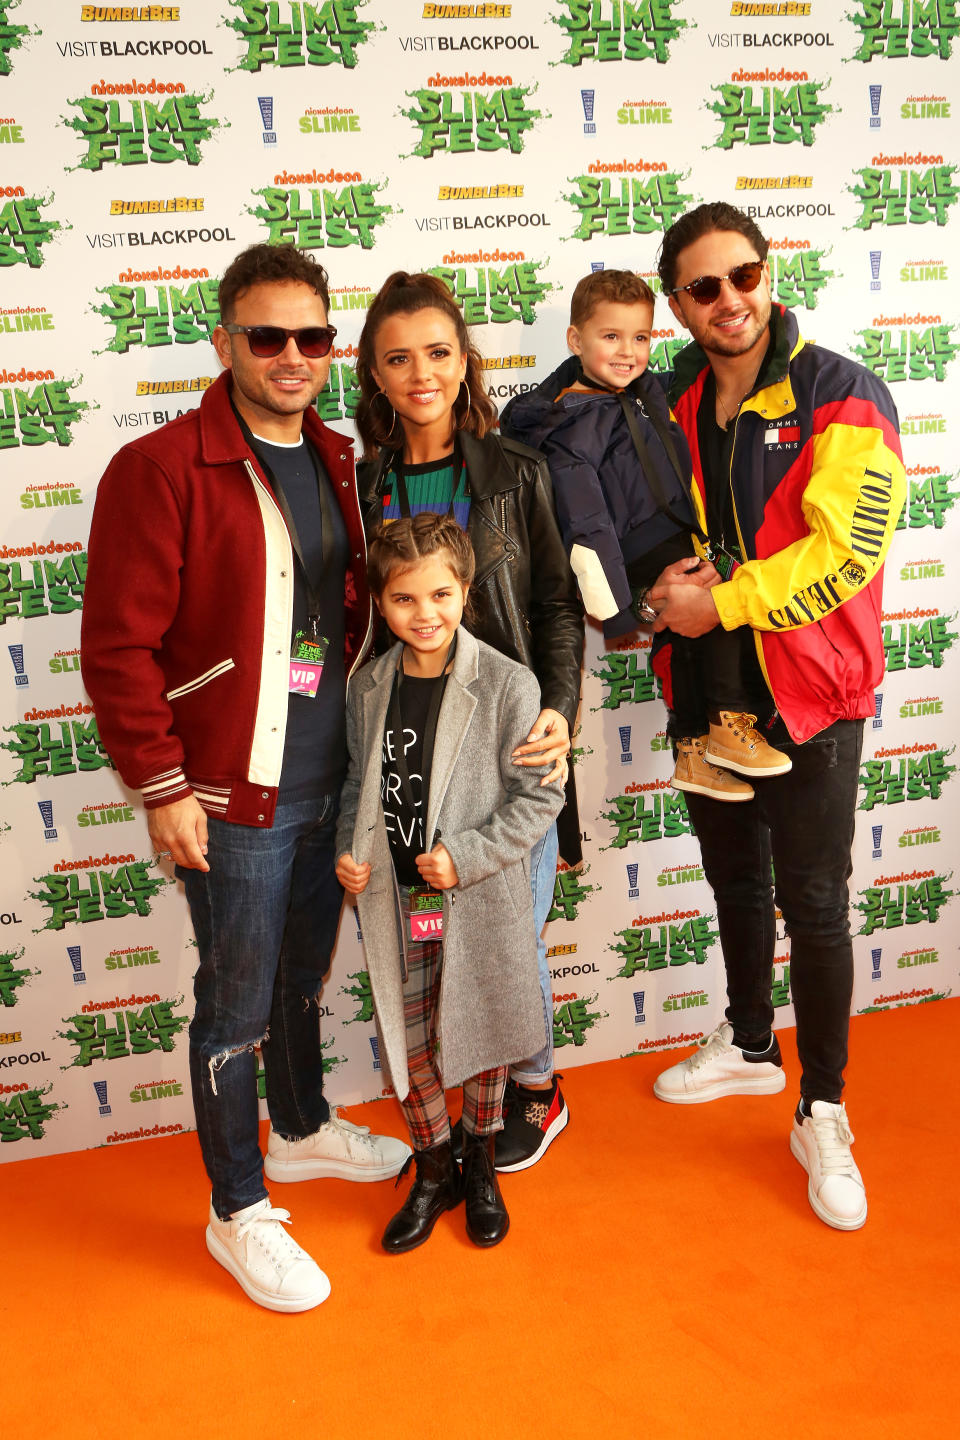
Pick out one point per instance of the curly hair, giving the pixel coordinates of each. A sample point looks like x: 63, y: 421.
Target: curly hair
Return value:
x: 717, y: 215
x: 267, y: 264
x: 405, y: 294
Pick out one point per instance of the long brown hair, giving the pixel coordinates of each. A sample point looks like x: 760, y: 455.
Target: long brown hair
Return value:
x: 404, y: 294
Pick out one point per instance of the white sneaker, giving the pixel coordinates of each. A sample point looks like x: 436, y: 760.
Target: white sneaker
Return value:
x: 338, y: 1150
x: 821, y: 1142
x: 264, y: 1260
x: 718, y: 1067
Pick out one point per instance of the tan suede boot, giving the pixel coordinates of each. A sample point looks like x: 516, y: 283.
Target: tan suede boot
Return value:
x: 692, y: 772
x: 735, y: 744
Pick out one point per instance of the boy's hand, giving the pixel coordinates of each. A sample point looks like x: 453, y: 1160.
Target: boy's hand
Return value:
x: 352, y: 877
x: 437, y: 869
x: 547, y: 744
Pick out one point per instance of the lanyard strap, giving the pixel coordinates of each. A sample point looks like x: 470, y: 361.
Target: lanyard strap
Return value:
x: 399, y: 471
x: 326, y: 521
x: 628, y: 407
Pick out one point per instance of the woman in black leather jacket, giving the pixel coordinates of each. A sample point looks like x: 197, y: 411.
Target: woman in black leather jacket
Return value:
x: 427, y: 427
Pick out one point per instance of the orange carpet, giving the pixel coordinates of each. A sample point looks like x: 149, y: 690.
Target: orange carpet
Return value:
x: 663, y: 1277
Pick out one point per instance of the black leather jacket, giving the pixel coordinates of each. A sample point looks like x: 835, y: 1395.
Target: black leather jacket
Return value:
x: 528, y: 603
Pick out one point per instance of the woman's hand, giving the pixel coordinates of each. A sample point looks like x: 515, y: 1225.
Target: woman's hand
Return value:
x: 547, y: 744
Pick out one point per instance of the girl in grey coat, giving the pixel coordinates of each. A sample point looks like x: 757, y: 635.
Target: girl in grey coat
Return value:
x: 435, y: 829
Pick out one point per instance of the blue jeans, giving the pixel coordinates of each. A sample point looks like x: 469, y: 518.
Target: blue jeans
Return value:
x: 543, y: 875
x: 803, y: 823
x: 265, y: 918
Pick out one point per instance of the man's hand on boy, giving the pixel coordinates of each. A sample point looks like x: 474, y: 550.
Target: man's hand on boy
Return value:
x: 352, y: 877
x: 437, y: 868
x: 547, y: 744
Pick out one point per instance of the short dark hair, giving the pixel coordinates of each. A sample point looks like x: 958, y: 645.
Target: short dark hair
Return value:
x: 619, y: 287
x: 716, y: 215
x: 270, y: 264
x: 405, y: 294
x: 398, y: 545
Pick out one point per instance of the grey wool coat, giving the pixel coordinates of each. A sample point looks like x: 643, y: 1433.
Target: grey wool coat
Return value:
x: 488, y: 812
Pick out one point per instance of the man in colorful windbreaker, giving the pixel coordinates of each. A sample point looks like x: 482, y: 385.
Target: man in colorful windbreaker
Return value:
x: 226, y: 603
x: 798, y: 469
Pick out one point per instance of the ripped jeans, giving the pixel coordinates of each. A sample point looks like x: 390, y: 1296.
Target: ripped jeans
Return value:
x: 265, y: 918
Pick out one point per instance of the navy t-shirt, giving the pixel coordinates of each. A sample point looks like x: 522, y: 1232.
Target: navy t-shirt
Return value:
x: 315, y: 744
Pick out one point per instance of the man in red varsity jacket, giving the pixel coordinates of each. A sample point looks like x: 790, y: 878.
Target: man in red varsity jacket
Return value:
x: 800, y: 481
x: 226, y: 604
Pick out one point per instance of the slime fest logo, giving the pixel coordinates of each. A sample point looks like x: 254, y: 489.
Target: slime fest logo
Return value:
x: 569, y: 893
x: 137, y: 1025
x: 492, y: 294
x: 24, y: 1112
x: 929, y: 499
x: 629, y: 676
x: 904, y: 772
x: 361, y: 992
x: 916, y: 639
x: 488, y: 113
x: 11, y: 979
x: 906, y: 354
x: 905, y: 899
x: 138, y: 131
x: 298, y: 34
x: 105, y: 894
x: 46, y: 744
x: 648, y: 810
x: 678, y: 937
x: 37, y: 408
x: 904, y: 197
x: 314, y: 218
x: 164, y: 315
x: 902, y: 29
x: 572, y: 1019
x: 618, y: 29
x: 24, y: 231
x: 340, y: 396
x: 629, y: 204
x: 11, y: 35
x: 768, y: 114
x: 798, y: 278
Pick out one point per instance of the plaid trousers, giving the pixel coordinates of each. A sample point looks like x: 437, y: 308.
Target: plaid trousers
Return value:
x: 425, y: 1109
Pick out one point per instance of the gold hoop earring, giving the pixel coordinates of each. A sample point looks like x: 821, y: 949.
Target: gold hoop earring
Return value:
x: 462, y: 424
x: 382, y: 394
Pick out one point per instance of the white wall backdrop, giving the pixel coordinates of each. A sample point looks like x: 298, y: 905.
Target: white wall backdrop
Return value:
x: 509, y: 147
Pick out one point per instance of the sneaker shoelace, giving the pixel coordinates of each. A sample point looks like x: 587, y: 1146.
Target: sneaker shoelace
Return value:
x: 711, y: 1047
x: 357, y: 1137
x: 833, y: 1136
x: 266, y: 1230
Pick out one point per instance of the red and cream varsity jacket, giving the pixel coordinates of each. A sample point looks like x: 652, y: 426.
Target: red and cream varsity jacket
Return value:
x: 188, y: 610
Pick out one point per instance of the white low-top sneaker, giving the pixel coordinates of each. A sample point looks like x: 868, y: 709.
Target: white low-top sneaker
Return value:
x: 265, y: 1260
x: 821, y: 1142
x: 718, y: 1067
x: 338, y: 1150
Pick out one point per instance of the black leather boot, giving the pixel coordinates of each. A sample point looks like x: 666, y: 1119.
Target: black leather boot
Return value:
x: 487, y: 1218
x: 436, y: 1188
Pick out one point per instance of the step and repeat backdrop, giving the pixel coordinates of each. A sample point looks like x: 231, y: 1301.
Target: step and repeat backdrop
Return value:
x: 510, y: 149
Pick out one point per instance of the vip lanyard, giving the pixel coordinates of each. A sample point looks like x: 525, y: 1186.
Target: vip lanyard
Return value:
x: 326, y: 524
x: 395, y: 721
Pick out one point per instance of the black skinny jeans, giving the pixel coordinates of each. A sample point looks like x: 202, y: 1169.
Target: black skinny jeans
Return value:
x: 803, y: 822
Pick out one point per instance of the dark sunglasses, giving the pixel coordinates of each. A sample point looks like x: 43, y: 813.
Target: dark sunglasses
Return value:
x: 706, y: 288
x: 265, y: 341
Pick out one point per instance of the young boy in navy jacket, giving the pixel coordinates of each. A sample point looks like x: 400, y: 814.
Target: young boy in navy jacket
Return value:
x: 621, y: 473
